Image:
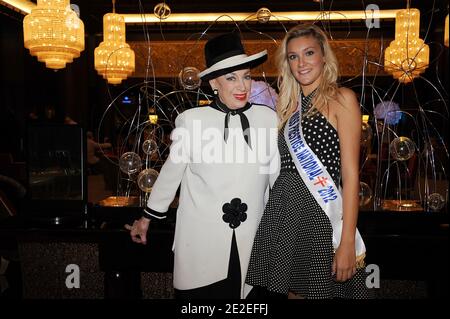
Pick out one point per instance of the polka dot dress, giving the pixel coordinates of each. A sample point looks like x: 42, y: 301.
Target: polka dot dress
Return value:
x: 293, y: 248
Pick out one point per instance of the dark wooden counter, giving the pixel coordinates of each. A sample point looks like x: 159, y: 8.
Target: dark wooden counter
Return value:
x: 404, y: 245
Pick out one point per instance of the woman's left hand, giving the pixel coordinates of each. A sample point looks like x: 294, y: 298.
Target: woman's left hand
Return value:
x: 344, y: 263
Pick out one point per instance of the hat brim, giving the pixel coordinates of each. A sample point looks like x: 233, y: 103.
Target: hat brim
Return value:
x: 233, y: 63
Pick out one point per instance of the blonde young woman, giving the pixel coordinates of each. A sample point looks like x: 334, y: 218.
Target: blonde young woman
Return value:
x: 307, y: 244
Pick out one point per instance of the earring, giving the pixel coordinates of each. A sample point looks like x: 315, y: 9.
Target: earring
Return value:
x: 215, y: 91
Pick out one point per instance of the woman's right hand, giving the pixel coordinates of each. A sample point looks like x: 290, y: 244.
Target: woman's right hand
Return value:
x: 138, y: 231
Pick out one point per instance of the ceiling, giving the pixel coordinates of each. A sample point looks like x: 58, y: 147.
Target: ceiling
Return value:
x: 92, y: 11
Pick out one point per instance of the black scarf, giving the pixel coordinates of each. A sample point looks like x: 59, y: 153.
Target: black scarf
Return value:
x: 218, y: 105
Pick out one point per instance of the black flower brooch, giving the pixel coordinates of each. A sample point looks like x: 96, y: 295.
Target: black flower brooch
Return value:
x: 234, y: 212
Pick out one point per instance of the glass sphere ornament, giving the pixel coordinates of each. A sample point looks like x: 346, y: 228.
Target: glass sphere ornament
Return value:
x: 402, y: 148
x: 189, y: 78
x: 146, y: 179
x: 365, y: 194
x: 436, y: 201
x: 162, y: 10
x: 366, y: 133
x: 149, y: 147
x: 263, y: 15
x: 130, y: 163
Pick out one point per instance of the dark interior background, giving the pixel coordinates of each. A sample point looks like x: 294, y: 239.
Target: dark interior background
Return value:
x: 77, y: 91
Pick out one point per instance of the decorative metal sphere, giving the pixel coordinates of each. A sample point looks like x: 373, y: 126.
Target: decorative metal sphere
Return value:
x: 263, y: 15
x: 189, y: 78
x: 436, y: 201
x: 162, y: 10
x: 146, y: 179
x: 402, y: 148
x: 130, y: 163
x: 149, y: 147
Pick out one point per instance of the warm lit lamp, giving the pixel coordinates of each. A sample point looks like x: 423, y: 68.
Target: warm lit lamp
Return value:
x: 114, y: 59
x: 365, y: 118
x: 407, y: 56
x: 54, y: 33
x: 446, y: 31
x: 153, y: 119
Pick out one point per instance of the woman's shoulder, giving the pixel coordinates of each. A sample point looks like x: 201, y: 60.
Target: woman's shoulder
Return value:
x: 346, y: 99
x: 264, y: 112
x: 345, y: 104
x: 195, y: 111
x: 346, y: 95
x: 264, y: 109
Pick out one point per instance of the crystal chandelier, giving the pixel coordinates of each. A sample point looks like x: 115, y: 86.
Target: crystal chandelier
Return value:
x: 407, y: 56
x: 114, y: 59
x: 54, y: 33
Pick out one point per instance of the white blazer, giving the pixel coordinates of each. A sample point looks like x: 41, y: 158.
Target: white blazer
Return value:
x: 212, y: 172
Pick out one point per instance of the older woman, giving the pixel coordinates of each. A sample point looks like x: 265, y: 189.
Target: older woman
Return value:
x: 223, y: 155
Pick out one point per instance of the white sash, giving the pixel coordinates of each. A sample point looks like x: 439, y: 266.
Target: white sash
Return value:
x: 318, y: 180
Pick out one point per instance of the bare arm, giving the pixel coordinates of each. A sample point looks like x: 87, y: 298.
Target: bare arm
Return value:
x: 348, y: 116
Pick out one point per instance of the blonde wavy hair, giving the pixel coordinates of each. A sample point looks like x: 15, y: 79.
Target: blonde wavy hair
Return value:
x: 290, y: 89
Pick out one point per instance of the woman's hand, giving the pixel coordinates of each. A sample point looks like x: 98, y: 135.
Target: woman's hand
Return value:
x: 138, y: 231
x: 344, y: 263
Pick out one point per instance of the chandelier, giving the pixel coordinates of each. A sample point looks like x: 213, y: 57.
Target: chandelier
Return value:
x: 54, y: 33
x: 407, y: 56
x: 114, y: 59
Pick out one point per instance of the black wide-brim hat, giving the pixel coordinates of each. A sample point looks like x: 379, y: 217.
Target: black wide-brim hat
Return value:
x: 225, y: 53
